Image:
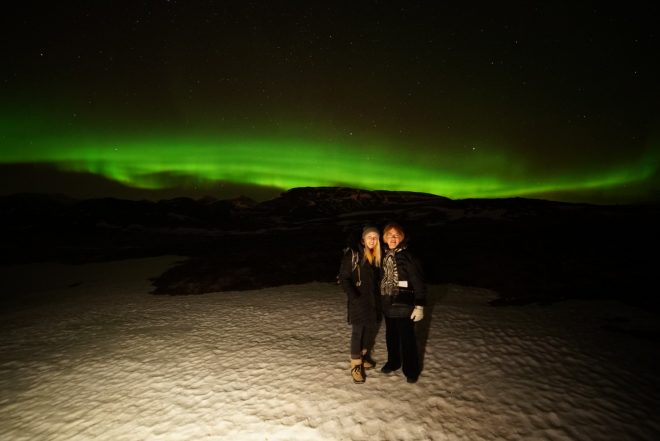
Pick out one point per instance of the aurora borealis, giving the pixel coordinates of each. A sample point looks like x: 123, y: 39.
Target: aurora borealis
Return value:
x: 456, y: 101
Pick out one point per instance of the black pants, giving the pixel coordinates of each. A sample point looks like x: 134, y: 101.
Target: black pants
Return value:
x: 402, y: 345
x: 362, y: 337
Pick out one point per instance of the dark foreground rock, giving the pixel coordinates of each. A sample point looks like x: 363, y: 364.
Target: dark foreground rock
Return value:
x: 527, y: 250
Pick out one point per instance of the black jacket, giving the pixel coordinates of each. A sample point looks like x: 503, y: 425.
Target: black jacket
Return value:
x: 362, y: 301
x: 409, y: 270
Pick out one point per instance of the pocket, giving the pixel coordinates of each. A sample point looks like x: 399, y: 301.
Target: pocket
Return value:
x: 404, y: 297
x: 398, y: 311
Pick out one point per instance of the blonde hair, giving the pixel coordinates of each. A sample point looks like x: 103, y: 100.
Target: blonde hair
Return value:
x: 394, y: 226
x: 376, y: 254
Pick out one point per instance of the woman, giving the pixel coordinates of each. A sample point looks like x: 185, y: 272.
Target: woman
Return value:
x: 359, y: 277
x: 403, y: 295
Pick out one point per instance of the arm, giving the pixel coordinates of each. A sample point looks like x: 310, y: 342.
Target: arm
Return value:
x: 346, y: 278
x: 416, y: 279
x: 416, y: 276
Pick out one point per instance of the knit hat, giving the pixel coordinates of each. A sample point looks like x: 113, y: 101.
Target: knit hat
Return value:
x: 370, y: 229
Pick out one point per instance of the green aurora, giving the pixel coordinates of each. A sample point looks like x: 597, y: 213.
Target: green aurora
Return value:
x: 165, y: 160
x: 168, y: 99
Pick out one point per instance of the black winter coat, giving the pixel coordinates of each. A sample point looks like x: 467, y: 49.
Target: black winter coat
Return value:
x: 409, y: 270
x: 363, y: 301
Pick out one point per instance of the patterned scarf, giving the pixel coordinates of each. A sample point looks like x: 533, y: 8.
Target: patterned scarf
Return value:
x: 390, y: 283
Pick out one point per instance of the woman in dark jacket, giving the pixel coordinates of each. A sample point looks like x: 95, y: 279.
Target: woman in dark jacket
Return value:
x: 359, y: 276
x: 403, y: 295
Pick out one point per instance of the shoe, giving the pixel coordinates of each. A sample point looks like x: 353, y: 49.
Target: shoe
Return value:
x: 357, y: 371
x: 388, y: 368
x: 368, y: 362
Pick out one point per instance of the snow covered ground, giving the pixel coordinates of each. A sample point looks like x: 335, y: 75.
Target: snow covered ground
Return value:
x: 87, y: 353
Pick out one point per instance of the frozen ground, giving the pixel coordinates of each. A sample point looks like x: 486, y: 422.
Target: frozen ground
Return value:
x: 87, y: 353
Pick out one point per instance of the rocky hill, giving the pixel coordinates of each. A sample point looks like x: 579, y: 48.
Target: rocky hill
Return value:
x: 526, y: 249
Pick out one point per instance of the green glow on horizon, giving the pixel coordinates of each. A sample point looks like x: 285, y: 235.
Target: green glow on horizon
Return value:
x: 156, y: 162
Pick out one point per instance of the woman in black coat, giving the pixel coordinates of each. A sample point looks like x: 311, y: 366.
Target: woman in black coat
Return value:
x: 359, y: 276
x: 403, y: 294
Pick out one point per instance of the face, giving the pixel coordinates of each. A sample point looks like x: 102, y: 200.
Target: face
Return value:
x: 393, y: 238
x: 370, y: 240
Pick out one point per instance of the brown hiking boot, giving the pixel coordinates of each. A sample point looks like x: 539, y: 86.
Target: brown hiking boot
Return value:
x: 357, y: 371
x: 368, y: 362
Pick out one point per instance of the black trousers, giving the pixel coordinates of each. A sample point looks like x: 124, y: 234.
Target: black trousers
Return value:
x: 402, y: 345
x: 362, y: 337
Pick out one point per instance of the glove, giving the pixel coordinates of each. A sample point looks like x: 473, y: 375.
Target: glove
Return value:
x: 417, y: 314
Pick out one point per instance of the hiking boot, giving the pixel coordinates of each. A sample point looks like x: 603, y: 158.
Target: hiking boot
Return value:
x: 368, y: 362
x: 357, y: 371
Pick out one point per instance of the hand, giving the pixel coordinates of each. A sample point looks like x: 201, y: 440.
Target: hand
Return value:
x: 417, y: 314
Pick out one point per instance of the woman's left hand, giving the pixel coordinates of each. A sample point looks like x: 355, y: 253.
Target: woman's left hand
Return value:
x: 417, y: 314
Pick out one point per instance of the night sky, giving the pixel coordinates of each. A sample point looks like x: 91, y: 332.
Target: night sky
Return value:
x: 172, y: 98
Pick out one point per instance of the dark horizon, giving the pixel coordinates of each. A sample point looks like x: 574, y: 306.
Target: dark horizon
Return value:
x: 41, y: 179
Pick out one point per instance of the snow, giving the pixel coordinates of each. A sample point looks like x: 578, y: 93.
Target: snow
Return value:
x: 87, y: 353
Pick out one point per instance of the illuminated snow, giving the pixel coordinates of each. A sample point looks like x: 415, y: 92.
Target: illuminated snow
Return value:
x: 87, y: 353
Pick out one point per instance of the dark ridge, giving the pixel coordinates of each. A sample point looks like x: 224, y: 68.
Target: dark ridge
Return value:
x: 529, y: 250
